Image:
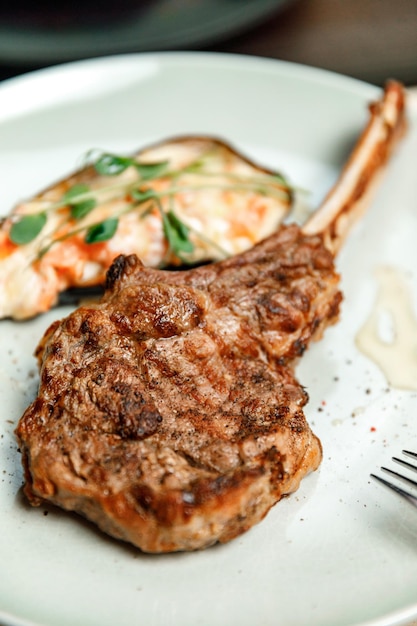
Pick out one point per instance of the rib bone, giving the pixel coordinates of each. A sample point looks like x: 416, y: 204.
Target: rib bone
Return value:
x: 358, y: 180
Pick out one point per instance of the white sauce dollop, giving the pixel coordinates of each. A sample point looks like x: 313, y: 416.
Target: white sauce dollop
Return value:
x: 389, y: 336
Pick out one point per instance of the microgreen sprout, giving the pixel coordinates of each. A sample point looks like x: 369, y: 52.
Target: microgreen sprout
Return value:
x: 140, y: 195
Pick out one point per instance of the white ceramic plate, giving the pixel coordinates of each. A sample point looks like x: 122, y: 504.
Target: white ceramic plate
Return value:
x: 343, y: 550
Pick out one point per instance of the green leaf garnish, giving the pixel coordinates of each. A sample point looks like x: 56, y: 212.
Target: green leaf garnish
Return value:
x: 102, y: 231
x: 74, y: 192
x: 136, y: 193
x: 176, y: 233
x: 81, y: 209
x: 147, y: 171
x: 112, y: 164
x: 27, y: 228
x: 141, y: 195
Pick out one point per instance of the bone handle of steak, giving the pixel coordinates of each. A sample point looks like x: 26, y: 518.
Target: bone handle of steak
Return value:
x: 351, y: 194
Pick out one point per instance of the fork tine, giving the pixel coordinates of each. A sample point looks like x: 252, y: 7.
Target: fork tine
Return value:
x: 408, y: 496
x: 405, y: 494
x: 413, y: 454
x: 405, y: 463
x: 400, y: 476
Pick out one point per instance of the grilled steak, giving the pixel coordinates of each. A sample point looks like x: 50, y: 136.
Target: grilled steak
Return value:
x: 168, y: 413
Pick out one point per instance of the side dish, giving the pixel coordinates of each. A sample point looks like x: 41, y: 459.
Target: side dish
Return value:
x: 184, y: 201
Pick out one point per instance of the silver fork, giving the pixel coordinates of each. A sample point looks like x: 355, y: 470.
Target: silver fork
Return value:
x: 408, y: 495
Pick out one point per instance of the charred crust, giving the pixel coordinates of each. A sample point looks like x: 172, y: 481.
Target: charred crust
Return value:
x: 141, y: 424
x: 297, y: 422
x: 335, y: 306
x: 120, y: 266
x: 323, y: 259
x: 138, y: 418
x: 273, y: 459
x: 299, y: 347
x: 203, y: 493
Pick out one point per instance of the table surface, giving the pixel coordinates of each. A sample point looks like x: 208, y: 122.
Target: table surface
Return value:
x: 368, y: 39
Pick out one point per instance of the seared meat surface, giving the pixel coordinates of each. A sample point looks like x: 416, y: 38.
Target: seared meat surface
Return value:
x: 169, y: 413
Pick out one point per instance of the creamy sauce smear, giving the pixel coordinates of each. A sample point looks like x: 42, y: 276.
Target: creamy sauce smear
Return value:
x: 389, y: 336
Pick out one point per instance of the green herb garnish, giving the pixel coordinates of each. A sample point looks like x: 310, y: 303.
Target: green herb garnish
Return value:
x: 113, y: 165
x: 77, y: 199
x: 177, y: 234
x: 137, y: 194
x: 103, y: 231
x: 27, y: 228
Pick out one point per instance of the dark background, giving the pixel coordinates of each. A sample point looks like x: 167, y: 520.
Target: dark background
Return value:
x: 368, y: 39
